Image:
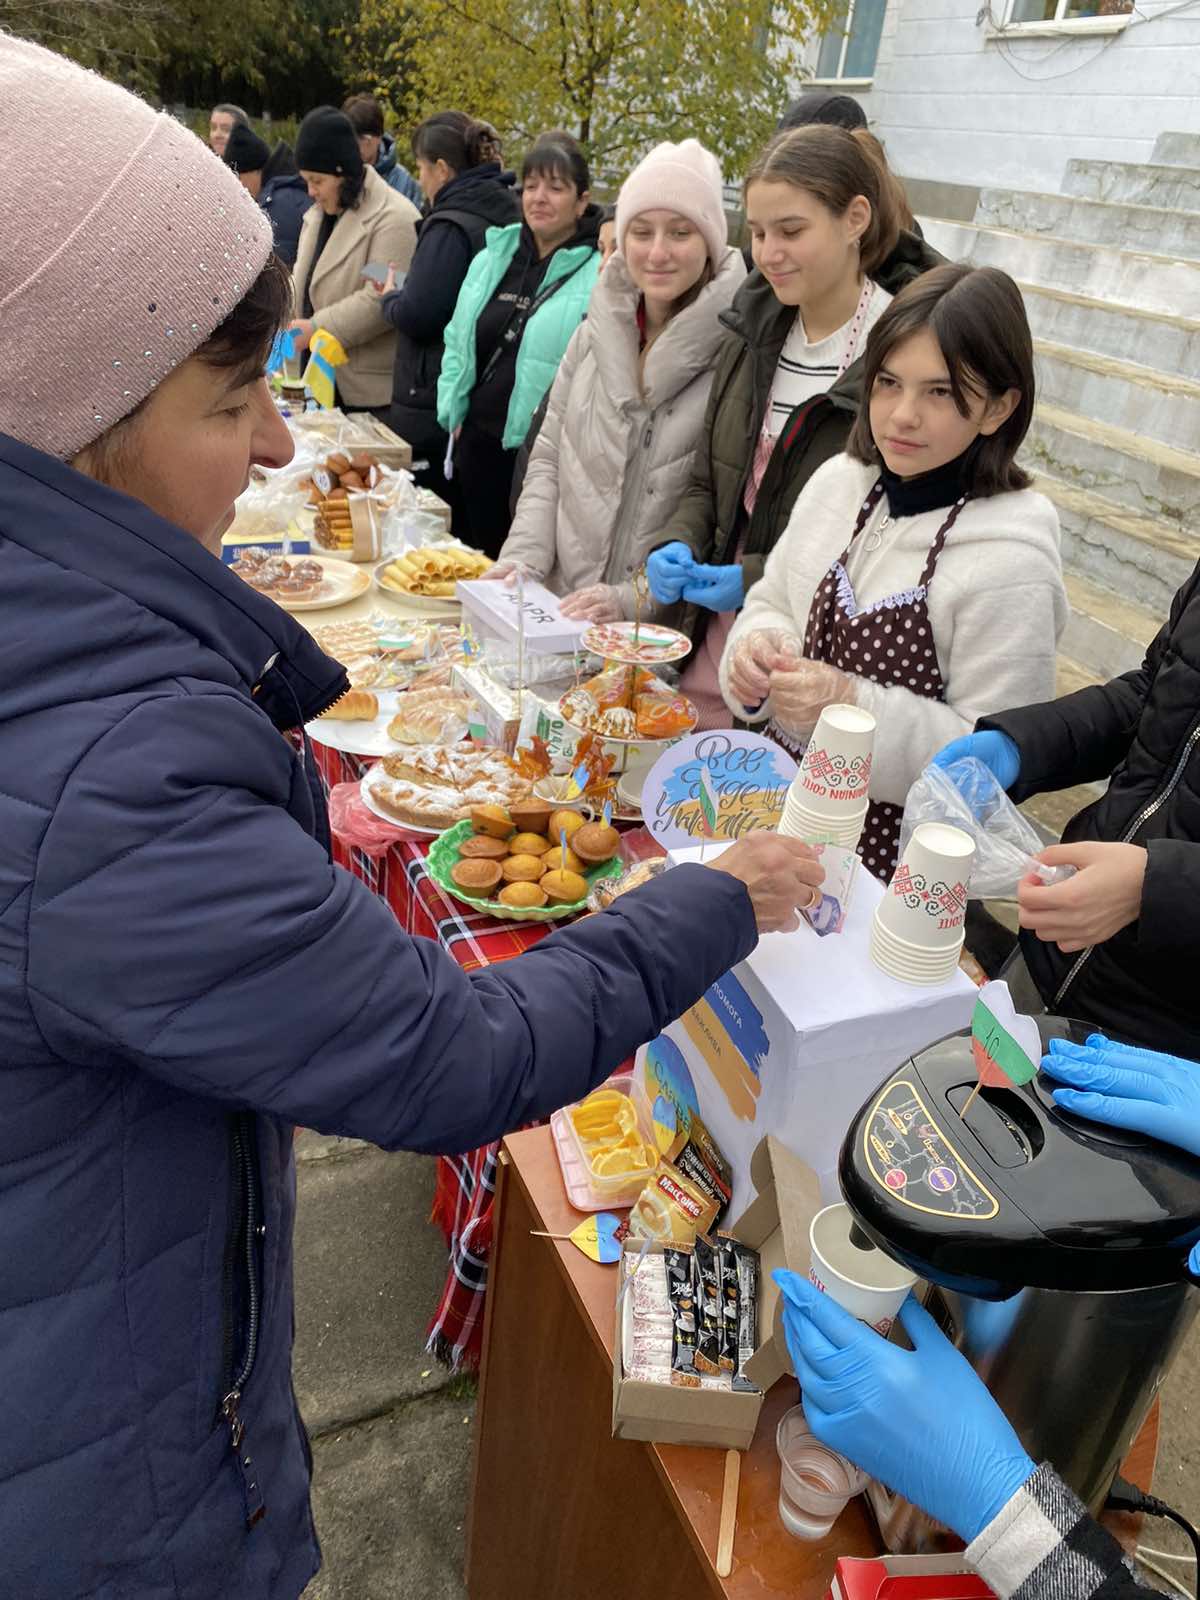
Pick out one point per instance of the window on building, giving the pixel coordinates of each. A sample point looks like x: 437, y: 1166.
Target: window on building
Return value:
x: 1065, y: 10
x: 851, y: 43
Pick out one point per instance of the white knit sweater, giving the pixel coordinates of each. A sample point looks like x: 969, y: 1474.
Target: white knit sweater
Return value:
x: 996, y: 605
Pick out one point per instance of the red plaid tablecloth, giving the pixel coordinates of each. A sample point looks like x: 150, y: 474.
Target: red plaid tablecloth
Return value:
x: 466, y: 1184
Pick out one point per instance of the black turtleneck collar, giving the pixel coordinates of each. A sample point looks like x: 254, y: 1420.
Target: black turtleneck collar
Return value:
x: 928, y: 491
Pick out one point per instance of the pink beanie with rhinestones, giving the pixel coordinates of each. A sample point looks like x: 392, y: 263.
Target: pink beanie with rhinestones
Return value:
x: 683, y: 178
x: 128, y: 244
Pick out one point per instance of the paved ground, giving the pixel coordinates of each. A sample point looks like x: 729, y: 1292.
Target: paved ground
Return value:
x: 391, y: 1431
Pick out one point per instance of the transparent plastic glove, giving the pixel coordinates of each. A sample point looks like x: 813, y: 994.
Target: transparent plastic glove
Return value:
x: 507, y: 572
x: 996, y: 750
x: 599, y: 602
x: 716, y: 588
x: 1128, y: 1088
x: 667, y: 570
x: 801, y: 692
x: 920, y: 1420
x: 756, y: 656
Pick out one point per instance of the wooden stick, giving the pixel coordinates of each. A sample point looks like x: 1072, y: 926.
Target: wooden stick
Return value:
x: 535, y: 1233
x: 729, y: 1498
x: 971, y: 1098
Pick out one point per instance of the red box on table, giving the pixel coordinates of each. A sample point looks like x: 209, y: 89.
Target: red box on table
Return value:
x: 907, y: 1578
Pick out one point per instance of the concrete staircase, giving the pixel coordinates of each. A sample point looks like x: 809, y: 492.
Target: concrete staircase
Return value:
x: 1110, y: 271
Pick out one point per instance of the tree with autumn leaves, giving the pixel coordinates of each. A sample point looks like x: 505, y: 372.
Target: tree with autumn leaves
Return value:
x: 619, y: 74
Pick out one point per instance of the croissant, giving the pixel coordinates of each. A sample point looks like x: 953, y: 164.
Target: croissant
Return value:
x: 356, y: 705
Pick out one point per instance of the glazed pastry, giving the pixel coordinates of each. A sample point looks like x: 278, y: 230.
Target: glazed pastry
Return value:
x: 481, y: 847
x: 529, y: 844
x: 356, y: 705
x: 564, y: 888
x: 595, y: 842
x: 478, y: 878
x: 492, y: 820
x: 522, y: 894
x: 295, y: 590
x: 532, y: 816
x: 523, y: 869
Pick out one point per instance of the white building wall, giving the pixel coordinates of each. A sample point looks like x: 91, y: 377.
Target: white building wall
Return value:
x: 954, y: 105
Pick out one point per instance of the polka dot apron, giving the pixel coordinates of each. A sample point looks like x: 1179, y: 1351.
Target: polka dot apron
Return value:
x: 890, y: 642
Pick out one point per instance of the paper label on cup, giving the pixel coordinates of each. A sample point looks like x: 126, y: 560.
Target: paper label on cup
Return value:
x: 943, y: 901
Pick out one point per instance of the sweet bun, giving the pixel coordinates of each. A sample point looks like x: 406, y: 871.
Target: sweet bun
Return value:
x: 563, y: 821
x: 492, y: 820
x: 532, y: 816
x: 523, y: 869
x: 529, y: 844
x: 482, y: 847
x: 595, y: 842
x: 564, y: 888
x: 476, y: 877
x: 522, y: 894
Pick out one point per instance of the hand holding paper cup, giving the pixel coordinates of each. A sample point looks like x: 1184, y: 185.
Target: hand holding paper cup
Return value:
x: 863, y: 1280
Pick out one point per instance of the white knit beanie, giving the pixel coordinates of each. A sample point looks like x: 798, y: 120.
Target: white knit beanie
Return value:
x: 128, y: 244
x: 684, y: 178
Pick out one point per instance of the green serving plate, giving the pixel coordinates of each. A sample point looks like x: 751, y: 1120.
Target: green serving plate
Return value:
x: 443, y: 856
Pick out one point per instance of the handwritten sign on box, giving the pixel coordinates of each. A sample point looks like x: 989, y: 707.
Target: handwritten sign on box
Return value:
x: 749, y: 776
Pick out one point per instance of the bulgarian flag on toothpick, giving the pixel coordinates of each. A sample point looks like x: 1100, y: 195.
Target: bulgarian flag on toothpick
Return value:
x: 1007, y: 1047
x: 709, y: 804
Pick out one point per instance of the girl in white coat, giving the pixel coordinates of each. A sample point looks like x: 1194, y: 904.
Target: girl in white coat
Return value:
x: 626, y: 411
x: 919, y: 574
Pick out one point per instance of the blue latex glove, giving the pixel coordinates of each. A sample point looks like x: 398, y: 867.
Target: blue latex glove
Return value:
x: 667, y: 570
x: 715, y: 588
x: 920, y: 1420
x: 996, y: 750
x: 1128, y: 1088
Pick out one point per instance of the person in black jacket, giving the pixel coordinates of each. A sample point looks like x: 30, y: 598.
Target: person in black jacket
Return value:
x: 1116, y: 942
x: 458, y: 168
x: 271, y: 177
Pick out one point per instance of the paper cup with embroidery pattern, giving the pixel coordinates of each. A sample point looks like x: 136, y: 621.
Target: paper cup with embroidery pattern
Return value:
x: 925, y: 904
x: 835, y: 771
x: 909, y: 964
x: 814, y: 827
x: 846, y: 1266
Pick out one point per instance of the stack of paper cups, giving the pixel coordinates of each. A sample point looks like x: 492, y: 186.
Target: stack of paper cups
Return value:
x: 918, y: 931
x: 827, y: 802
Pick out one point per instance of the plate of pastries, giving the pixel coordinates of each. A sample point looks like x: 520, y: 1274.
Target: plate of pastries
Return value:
x: 429, y: 575
x: 525, y: 862
x: 300, y: 583
x: 628, y: 705
x: 428, y: 788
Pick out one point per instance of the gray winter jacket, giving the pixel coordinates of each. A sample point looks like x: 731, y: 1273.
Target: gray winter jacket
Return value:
x: 615, y: 452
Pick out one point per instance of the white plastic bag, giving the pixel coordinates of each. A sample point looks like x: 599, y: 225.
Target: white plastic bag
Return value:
x: 967, y: 795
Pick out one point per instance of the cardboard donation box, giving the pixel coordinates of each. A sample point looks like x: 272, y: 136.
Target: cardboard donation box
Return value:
x: 775, y: 1224
x: 907, y: 1578
x: 492, y: 608
x: 793, y: 1041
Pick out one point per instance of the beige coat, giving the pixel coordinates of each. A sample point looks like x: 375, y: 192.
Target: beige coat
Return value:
x: 380, y: 229
x: 614, y: 454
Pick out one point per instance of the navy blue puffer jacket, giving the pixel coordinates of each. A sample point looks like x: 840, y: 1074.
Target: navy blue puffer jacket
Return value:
x: 184, y: 976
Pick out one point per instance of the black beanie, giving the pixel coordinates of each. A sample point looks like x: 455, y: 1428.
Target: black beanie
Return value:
x: 245, y: 151
x: 327, y: 142
x: 823, y: 105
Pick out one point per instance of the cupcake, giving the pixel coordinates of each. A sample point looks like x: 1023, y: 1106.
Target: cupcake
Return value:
x: 529, y: 844
x: 523, y: 869
x: 532, y: 816
x: 563, y: 821
x: 492, y: 820
x: 482, y: 847
x: 564, y: 888
x: 522, y: 894
x: 595, y: 843
x: 477, y: 878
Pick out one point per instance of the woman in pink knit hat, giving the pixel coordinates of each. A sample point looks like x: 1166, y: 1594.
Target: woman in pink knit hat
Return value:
x: 626, y: 412
x: 184, y: 973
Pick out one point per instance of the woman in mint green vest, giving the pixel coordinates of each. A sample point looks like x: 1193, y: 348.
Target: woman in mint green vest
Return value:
x: 524, y: 295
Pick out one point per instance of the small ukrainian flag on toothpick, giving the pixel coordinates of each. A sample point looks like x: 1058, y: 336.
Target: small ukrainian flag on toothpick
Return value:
x: 325, y: 354
x: 577, y: 782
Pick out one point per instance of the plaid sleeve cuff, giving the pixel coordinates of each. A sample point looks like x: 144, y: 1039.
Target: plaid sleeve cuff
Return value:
x: 1043, y: 1545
